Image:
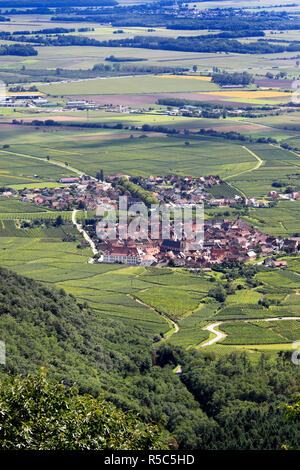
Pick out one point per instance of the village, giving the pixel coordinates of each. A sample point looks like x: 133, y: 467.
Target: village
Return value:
x: 223, y: 240
x: 85, y: 192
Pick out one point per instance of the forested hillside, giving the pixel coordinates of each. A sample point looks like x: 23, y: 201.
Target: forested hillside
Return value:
x: 229, y: 403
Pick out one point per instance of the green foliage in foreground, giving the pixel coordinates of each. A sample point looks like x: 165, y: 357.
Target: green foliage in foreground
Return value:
x: 39, y: 415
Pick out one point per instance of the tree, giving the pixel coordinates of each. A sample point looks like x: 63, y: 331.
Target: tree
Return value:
x: 100, y: 175
x: 218, y: 293
x: 59, y: 220
x: 289, y: 189
x: 258, y: 250
x: 37, y: 414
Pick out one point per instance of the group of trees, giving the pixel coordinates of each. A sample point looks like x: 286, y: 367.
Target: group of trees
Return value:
x: 181, y: 102
x: 57, y: 30
x: 244, y: 399
x: 218, y: 293
x: 20, y: 88
x: 100, y: 175
x: 194, y: 44
x: 128, y: 67
x: 43, y: 326
x: 236, y: 78
x: 137, y: 192
x: 237, y: 20
x: 232, y: 135
x: 56, y: 40
x: 112, y: 58
x: 18, y: 49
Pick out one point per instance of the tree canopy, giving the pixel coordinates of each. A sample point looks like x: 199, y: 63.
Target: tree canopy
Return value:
x: 37, y: 414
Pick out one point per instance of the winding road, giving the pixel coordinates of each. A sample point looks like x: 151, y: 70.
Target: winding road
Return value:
x: 221, y: 335
x: 84, y: 233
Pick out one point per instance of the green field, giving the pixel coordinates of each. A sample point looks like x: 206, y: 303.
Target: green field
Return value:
x: 281, y: 220
x: 151, y: 155
x: 126, y: 85
x: 13, y: 228
x: 115, y: 150
x: 174, y: 303
x: 273, y: 332
x: 14, y: 206
x: 278, y: 164
x: 21, y: 168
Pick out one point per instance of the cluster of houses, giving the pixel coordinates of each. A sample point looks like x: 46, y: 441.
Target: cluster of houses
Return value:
x: 36, y: 99
x: 88, y: 193
x: 253, y: 202
x: 224, y: 240
x: 20, y: 99
x: 183, y: 190
x: 75, y: 192
x: 292, y: 196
